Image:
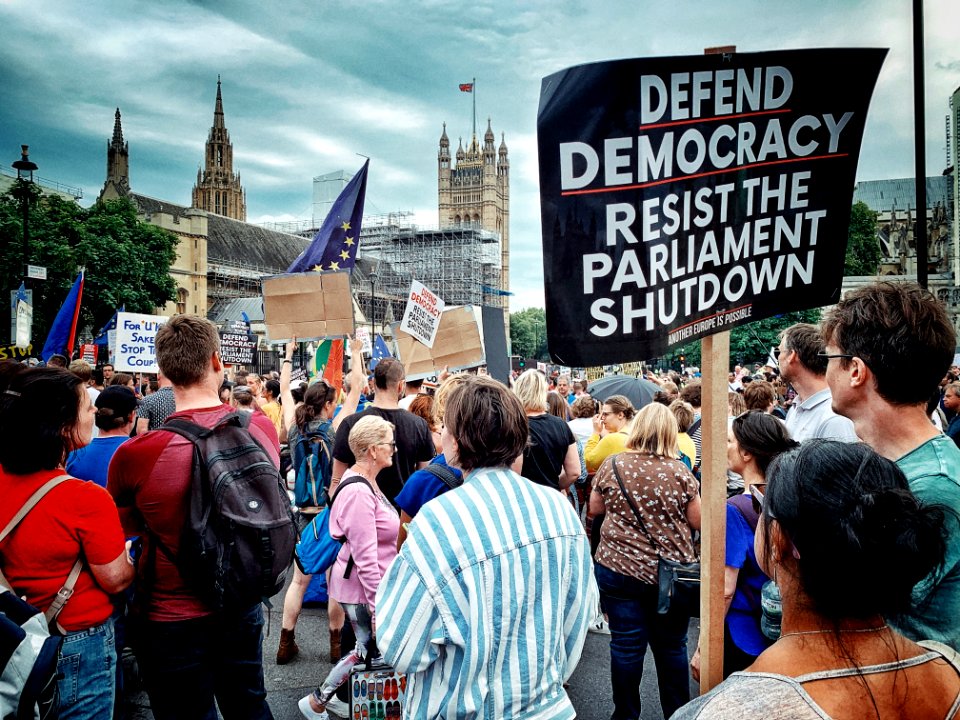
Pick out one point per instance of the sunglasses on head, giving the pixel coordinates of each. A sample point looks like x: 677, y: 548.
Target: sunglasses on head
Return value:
x: 756, y: 495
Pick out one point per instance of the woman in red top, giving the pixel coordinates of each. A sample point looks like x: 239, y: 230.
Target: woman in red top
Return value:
x: 44, y: 414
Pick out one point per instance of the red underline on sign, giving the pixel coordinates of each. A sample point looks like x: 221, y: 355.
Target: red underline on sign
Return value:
x: 652, y: 183
x: 711, y: 119
x: 725, y: 312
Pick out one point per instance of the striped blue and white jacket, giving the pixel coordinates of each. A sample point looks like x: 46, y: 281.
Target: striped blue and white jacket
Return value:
x: 487, y: 605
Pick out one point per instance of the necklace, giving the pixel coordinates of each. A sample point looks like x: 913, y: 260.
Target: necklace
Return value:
x: 824, y: 632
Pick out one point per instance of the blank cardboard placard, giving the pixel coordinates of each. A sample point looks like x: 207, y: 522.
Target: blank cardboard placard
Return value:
x: 308, y: 306
x: 458, y: 345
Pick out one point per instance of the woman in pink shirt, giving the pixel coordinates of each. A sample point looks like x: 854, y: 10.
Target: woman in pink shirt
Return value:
x: 369, y: 523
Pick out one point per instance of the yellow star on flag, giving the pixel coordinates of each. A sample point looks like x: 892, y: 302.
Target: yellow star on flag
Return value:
x: 348, y: 241
x: 345, y: 255
x: 334, y: 266
x: 345, y: 226
x: 318, y: 268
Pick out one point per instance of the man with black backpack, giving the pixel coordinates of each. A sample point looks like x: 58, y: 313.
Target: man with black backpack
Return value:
x: 204, y: 493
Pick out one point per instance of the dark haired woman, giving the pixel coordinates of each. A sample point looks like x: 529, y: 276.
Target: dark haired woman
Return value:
x: 846, y: 541
x: 610, y: 429
x: 44, y: 414
x: 315, y: 415
x: 754, y: 439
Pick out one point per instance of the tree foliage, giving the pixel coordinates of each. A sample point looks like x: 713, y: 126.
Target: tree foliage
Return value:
x: 528, y: 333
x: 749, y: 343
x: 863, y: 246
x: 127, y: 261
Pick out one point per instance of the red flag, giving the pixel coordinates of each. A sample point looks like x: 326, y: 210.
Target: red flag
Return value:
x: 333, y: 372
x: 466, y: 87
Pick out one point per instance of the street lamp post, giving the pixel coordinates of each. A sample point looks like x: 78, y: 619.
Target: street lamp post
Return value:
x: 25, y: 168
x: 373, y: 307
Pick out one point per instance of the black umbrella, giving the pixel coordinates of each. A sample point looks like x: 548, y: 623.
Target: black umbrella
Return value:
x: 638, y: 391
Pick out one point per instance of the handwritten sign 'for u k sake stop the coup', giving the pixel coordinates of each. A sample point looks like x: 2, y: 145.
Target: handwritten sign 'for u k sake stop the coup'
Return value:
x: 682, y: 196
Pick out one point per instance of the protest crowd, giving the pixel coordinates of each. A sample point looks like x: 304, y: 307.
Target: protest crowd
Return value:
x: 469, y: 534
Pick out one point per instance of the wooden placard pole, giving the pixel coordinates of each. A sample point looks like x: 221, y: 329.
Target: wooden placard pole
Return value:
x: 715, y: 351
x: 713, y: 472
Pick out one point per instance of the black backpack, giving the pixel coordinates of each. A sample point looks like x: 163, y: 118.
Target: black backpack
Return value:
x: 445, y: 474
x: 238, y: 537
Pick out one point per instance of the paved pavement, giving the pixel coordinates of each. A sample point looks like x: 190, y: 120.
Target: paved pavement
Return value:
x: 589, y: 687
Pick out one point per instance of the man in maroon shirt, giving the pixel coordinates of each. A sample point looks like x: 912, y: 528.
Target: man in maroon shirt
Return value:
x: 188, y: 653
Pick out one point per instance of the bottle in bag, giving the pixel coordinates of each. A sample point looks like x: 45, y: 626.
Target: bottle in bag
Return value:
x: 772, y: 610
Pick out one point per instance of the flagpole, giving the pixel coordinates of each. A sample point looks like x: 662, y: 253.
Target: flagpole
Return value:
x: 76, y: 317
x: 474, y: 93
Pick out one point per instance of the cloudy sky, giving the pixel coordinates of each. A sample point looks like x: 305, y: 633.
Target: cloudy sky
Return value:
x: 308, y: 85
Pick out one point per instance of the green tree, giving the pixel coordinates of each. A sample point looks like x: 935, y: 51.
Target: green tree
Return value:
x: 749, y: 343
x: 528, y: 333
x: 126, y: 261
x: 863, y: 247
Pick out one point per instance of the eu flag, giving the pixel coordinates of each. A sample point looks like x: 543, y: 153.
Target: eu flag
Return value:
x: 380, y: 352
x: 334, y: 247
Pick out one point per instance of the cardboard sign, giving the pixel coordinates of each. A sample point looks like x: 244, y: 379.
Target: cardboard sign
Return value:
x: 683, y: 196
x: 135, y: 350
x: 308, y: 306
x: 421, y: 318
x: 458, y: 345
x: 236, y: 348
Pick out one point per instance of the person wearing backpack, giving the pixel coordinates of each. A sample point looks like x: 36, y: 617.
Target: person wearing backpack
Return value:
x: 364, y: 517
x: 199, y: 645
x: 754, y: 439
x: 70, y: 538
x: 311, y: 429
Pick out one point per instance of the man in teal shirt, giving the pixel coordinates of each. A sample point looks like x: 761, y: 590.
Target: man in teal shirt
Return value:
x: 887, y: 346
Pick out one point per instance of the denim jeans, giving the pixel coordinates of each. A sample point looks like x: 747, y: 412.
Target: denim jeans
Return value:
x: 87, y: 667
x: 187, y: 664
x: 631, y: 607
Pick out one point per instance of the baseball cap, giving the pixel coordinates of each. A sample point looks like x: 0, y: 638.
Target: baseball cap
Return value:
x: 116, y: 401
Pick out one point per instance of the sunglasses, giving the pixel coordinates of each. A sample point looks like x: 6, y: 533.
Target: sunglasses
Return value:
x: 756, y: 495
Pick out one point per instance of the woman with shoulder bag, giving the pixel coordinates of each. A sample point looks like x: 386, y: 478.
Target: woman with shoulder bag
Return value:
x: 652, y: 509
x: 44, y: 414
x: 312, y: 417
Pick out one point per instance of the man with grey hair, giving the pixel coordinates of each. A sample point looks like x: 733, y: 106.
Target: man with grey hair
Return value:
x: 801, y: 365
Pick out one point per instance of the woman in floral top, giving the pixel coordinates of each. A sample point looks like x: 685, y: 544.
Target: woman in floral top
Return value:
x: 665, y: 493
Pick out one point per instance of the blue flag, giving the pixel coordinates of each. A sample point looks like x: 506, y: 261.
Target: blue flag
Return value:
x: 380, y: 352
x: 60, y: 337
x: 334, y: 247
x: 102, y: 337
x: 21, y: 296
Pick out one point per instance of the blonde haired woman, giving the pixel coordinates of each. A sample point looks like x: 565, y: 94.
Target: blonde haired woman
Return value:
x: 646, y: 480
x: 362, y: 515
x: 551, y: 456
x: 438, y: 477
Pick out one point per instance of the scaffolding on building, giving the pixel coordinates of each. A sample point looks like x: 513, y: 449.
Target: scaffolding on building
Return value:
x: 461, y: 265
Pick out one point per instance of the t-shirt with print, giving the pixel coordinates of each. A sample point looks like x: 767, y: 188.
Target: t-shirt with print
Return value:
x: 543, y: 457
x: 150, y: 479
x: 76, y: 517
x: 414, y: 446
x: 661, y: 488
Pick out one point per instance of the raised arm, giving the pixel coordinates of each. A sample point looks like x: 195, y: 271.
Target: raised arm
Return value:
x: 357, y: 378
x: 286, y: 397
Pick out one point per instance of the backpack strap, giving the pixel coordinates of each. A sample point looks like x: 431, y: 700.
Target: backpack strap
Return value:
x: 445, y: 474
x: 744, y: 504
x: 64, y: 593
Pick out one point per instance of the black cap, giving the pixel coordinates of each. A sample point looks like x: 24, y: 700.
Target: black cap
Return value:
x: 116, y: 401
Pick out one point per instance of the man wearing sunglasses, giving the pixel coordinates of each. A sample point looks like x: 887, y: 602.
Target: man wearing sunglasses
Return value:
x: 801, y: 365
x: 887, y: 346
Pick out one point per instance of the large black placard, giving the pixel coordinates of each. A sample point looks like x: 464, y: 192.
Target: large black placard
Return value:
x: 684, y: 196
